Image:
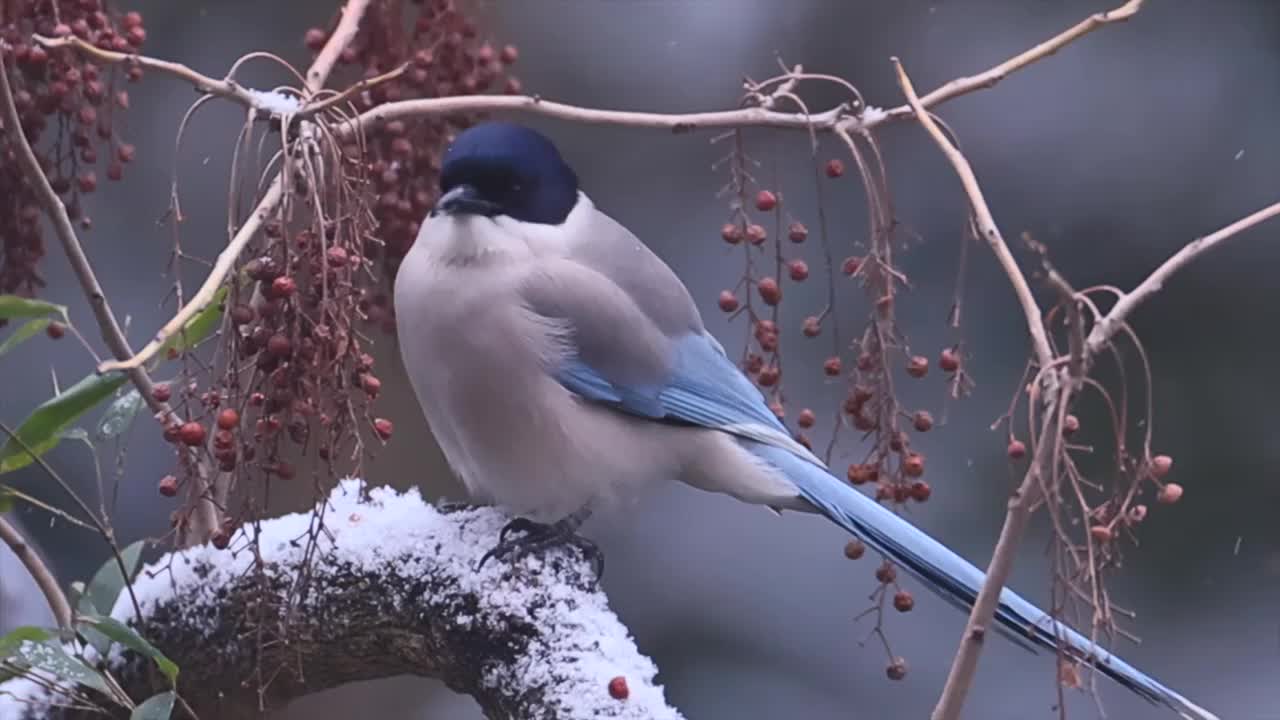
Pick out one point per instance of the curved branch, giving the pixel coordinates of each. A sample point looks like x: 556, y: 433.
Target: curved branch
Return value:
x: 39, y: 572
x: 390, y: 588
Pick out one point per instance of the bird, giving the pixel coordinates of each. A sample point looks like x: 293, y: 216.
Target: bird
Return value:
x: 561, y: 364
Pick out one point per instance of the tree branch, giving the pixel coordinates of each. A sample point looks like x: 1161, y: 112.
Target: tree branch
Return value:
x: 1108, y: 326
x: 837, y: 118
x: 39, y: 572
x: 390, y: 588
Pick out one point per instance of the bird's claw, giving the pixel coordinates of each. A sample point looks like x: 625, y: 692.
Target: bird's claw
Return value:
x: 537, y: 537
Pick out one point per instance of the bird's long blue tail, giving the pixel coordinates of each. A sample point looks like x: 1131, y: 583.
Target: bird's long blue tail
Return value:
x: 953, y: 577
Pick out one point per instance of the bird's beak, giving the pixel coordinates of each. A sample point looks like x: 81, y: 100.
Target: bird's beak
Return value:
x: 465, y: 200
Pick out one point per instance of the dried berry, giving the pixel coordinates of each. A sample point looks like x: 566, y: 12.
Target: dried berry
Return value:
x: 811, y: 327
x: 806, y: 418
x: 383, y: 428
x: 797, y: 232
x: 192, y: 434
x: 913, y: 465
x: 897, y: 669
x: 161, y: 393
x: 55, y: 330
x: 1170, y: 494
x: 834, y: 168
x: 283, y: 287
x: 1100, y: 533
x: 370, y: 384
x: 922, y: 421
x: 831, y: 366
x: 949, y: 360
x: 855, y: 549
x: 1070, y: 425
x: 799, y: 270
x: 756, y: 234
x: 886, y: 573
x: 168, y: 486
x: 903, y: 602
x: 918, y: 366
x: 850, y: 265
x: 731, y: 233
x: 728, y: 301
x: 228, y: 419
x: 861, y: 473
x: 769, y: 291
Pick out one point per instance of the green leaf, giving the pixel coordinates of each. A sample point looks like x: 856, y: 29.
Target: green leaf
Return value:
x: 197, y: 328
x: 6, y: 500
x: 41, y: 430
x: 157, y: 707
x: 12, y: 306
x: 118, y: 415
x: 25, y: 332
x: 125, y: 635
x: 49, y: 655
x: 27, y: 633
x: 107, y: 582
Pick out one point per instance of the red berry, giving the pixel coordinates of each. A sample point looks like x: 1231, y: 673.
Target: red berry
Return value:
x: 728, y: 301
x: 835, y: 168
x: 851, y: 265
x: 161, y: 393
x: 921, y: 491
x: 731, y: 233
x: 336, y: 256
x: 811, y: 327
x: 228, y: 419
x: 257, y: 399
x: 383, y: 428
x: 769, y: 376
x: 756, y: 234
x: 769, y: 291
x: 913, y: 465
x: 897, y: 669
x: 87, y: 181
x: 283, y: 287
x: 886, y: 573
x: 1070, y: 425
x: 855, y: 549
x: 918, y: 366
x: 949, y: 360
x: 126, y: 152
x: 191, y: 433
x: 1100, y: 533
x: 922, y: 421
x: 1161, y: 465
x: 242, y: 314
x: 509, y: 55
x: 1017, y: 450
x: 797, y: 232
x: 370, y: 384
x: 831, y: 366
x: 55, y: 330
x: 168, y: 486
x: 799, y: 270
x: 1170, y: 494
x: 1137, y: 513
x: 806, y: 418
x: 903, y: 602
x: 284, y: 470
x: 315, y: 39
x: 279, y: 346
x: 861, y: 474
x: 618, y: 688
x: 766, y: 201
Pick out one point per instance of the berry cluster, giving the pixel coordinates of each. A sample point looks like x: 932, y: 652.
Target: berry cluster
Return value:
x: 69, y: 110
x: 443, y: 53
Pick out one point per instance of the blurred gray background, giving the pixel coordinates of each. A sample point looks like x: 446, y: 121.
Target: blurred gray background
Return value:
x: 1114, y: 153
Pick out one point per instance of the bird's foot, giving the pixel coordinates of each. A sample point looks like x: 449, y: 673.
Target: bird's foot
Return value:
x: 536, y: 537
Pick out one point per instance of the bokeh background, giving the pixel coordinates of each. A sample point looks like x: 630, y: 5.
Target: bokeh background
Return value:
x: 1114, y: 153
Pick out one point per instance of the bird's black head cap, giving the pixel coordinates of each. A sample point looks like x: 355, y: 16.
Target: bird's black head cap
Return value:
x: 498, y: 168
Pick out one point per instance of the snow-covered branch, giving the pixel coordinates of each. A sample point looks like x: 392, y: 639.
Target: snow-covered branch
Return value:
x: 389, y: 587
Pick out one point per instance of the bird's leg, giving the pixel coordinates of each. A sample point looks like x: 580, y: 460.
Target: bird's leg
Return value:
x: 536, y: 537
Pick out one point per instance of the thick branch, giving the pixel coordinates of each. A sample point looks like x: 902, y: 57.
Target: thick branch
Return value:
x: 390, y: 589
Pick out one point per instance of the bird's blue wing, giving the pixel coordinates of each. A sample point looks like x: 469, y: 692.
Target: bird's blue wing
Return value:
x: 703, y: 388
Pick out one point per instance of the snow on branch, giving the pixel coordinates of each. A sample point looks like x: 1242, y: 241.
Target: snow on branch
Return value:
x: 389, y: 587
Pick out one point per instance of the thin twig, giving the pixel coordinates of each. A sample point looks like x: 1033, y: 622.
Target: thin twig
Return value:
x: 1106, y: 327
x: 984, y: 221
x: 39, y: 572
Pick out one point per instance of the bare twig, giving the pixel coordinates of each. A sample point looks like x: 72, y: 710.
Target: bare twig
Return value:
x: 1106, y: 327
x: 39, y: 572
x: 984, y: 221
